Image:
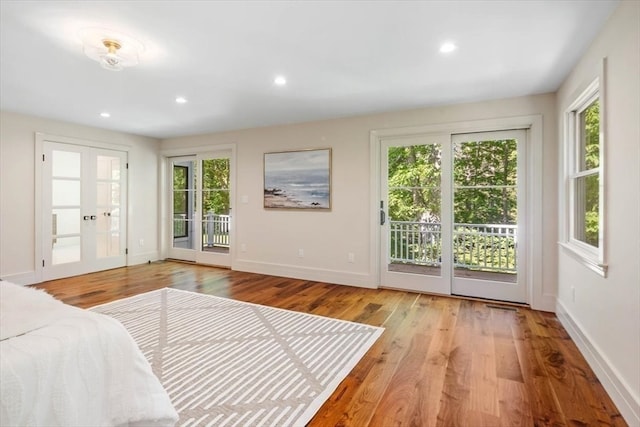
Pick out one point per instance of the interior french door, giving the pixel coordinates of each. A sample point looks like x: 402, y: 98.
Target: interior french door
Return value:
x: 201, y: 208
x: 452, y: 210
x: 84, y: 209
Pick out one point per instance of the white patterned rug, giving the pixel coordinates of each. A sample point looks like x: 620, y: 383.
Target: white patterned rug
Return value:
x: 231, y: 363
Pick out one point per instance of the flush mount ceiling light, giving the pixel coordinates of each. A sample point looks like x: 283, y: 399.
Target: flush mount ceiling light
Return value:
x: 113, y: 50
x: 280, y: 81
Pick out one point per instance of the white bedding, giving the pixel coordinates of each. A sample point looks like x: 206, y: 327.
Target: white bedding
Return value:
x: 64, y: 366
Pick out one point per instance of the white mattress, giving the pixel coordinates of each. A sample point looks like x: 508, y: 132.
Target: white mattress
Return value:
x: 64, y: 366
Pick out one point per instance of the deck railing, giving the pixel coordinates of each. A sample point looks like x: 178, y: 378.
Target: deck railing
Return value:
x: 489, y: 247
x: 215, y: 229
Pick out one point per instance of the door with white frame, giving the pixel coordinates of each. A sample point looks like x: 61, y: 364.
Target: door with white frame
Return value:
x: 200, y: 206
x: 415, y: 197
x: 84, y: 210
x: 452, y: 214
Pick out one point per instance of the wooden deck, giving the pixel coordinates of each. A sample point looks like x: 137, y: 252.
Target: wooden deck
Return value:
x: 457, y: 272
x: 440, y: 362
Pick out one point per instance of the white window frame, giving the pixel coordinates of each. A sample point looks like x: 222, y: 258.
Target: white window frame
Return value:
x: 591, y: 256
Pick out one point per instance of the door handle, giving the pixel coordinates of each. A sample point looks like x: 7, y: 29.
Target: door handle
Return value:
x: 93, y: 217
x: 106, y: 213
x: 383, y: 217
x: 86, y: 217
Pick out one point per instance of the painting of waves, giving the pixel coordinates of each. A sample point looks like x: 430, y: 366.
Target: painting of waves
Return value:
x: 298, y: 179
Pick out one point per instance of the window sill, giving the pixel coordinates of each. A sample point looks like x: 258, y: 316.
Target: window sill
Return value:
x: 585, y: 259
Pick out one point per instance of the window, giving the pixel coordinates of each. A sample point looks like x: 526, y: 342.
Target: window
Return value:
x: 584, y: 172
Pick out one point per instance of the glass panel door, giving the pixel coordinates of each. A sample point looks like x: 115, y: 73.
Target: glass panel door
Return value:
x: 184, y: 175
x: 65, y: 185
x: 84, y: 209
x: 216, y: 209
x: 487, y: 201
x: 108, y: 205
x: 451, y: 214
x: 201, y: 208
x: 414, y: 214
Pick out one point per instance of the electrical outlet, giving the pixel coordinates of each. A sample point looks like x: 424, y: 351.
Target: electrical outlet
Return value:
x: 141, y: 242
x: 300, y: 253
x: 351, y: 257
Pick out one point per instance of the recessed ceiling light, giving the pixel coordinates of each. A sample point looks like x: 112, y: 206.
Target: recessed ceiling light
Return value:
x: 181, y: 100
x: 448, y: 47
x: 105, y: 115
x: 280, y: 81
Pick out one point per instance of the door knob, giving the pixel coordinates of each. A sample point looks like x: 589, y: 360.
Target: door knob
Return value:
x: 93, y: 217
x: 106, y: 213
x: 86, y: 217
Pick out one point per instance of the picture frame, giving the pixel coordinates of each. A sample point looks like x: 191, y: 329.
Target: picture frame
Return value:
x: 298, y: 179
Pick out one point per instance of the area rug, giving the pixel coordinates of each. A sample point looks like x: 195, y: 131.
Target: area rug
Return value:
x: 231, y: 363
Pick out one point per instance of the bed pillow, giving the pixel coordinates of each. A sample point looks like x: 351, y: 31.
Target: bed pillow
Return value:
x: 24, y: 309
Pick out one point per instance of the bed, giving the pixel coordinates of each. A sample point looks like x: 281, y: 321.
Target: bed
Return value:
x: 64, y: 366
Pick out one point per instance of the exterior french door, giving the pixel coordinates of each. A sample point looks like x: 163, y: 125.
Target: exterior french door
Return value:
x: 84, y: 209
x: 451, y: 212
x: 416, y: 197
x: 201, y: 208
x: 488, y: 210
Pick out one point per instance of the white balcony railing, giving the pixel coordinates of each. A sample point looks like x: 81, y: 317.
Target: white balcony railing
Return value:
x: 488, y: 247
x: 215, y: 229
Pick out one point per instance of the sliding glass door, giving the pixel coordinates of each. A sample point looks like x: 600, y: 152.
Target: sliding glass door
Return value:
x: 451, y: 214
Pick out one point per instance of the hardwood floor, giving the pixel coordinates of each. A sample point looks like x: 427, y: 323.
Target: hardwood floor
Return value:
x: 440, y: 362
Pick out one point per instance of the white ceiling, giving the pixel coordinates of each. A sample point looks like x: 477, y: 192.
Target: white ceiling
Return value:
x: 340, y: 58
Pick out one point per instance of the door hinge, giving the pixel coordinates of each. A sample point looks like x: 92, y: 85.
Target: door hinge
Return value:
x: 126, y: 251
x: 43, y: 157
x: 43, y: 263
x: 127, y: 165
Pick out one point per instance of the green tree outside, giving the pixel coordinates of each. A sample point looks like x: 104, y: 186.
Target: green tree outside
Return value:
x: 484, y: 178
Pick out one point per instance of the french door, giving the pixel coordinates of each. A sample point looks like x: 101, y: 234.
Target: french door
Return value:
x: 201, y: 208
x: 451, y: 212
x: 84, y: 209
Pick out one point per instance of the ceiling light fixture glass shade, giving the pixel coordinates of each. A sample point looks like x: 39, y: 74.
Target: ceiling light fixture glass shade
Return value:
x: 113, y: 50
x: 111, y: 60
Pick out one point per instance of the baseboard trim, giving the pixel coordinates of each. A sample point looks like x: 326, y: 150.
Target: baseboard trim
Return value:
x: 142, y: 258
x: 305, y: 273
x: 627, y: 403
x: 544, y: 302
x: 26, y: 278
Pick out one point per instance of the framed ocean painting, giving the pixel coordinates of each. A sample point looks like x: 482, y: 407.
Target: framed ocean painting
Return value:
x: 298, y: 179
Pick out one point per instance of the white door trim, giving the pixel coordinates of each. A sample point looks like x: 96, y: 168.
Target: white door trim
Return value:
x: 535, y: 291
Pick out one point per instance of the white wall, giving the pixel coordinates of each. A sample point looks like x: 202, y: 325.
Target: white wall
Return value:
x: 17, y: 188
x: 273, y: 238
x: 604, y: 319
